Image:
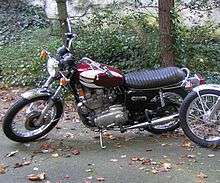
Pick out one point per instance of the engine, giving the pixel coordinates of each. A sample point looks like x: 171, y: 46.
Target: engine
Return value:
x: 98, y: 105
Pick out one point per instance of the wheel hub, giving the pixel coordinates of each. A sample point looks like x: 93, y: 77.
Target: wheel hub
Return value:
x: 31, y: 119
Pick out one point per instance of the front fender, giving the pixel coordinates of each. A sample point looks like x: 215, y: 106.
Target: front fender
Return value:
x: 44, y: 92
x: 207, y: 87
x: 37, y: 92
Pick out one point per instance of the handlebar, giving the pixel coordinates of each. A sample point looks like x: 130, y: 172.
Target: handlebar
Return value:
x: 69, y: 35
x: 69, y: 25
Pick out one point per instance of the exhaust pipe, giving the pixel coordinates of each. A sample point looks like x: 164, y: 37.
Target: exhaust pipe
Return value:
x: 160, y: 121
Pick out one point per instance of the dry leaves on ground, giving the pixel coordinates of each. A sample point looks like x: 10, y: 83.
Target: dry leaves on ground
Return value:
x: 75, y: 152
x: 201, y: 177
x: 37, y: 177
x: 163, y: 167
x: 2, y: 169
x: 25, y: 163
x: 100, y: 179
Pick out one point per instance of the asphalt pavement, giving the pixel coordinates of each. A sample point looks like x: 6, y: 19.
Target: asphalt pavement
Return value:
x: 71, y: 154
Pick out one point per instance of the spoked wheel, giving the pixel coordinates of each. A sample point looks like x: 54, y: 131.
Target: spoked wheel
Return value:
x: 173, y: 100
x: 196, y: 121
x: 24, y: 123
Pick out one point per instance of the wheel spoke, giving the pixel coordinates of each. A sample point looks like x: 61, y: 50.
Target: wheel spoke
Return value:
x: 198, y: 122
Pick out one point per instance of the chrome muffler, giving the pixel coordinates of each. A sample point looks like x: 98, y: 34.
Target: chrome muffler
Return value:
x: 160, y: 121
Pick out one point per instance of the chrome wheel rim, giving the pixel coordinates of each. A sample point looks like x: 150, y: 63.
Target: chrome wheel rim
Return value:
x: 199, y: 123
x: 22, y: 124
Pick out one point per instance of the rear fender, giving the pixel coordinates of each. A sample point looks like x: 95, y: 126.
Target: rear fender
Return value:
x: 206, y: 87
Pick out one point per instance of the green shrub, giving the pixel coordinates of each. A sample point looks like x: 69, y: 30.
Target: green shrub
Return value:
x: 19, y: 61
x: 129, y: 41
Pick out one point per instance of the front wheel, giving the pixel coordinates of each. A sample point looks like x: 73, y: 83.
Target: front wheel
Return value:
x: 195, y: 120
x: 21, y: 122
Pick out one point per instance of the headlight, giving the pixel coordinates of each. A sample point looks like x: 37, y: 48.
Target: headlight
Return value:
x: 52, y: 66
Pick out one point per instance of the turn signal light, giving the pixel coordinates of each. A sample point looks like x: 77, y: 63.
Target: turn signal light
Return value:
x: 64, y: 81
x: 43, y: 55
x: 81, y: 93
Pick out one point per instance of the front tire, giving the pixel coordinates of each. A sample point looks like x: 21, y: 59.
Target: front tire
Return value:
x: 8, y: 121
x: 186, y: 119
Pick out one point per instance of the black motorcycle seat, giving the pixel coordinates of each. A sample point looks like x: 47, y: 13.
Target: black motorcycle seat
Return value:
x: 157, y: 78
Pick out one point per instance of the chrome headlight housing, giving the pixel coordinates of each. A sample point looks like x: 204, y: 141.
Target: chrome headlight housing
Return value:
x: 52, y: 66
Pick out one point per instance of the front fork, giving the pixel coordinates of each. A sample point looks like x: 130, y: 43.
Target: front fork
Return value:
x: 50, y: 103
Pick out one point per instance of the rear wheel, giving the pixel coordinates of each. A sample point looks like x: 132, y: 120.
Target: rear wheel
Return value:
x: 173, y: 100
x: 21, y: 122
x: 195, y: 120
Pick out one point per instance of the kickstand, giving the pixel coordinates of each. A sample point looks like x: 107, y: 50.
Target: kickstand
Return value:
x: 101, y: 140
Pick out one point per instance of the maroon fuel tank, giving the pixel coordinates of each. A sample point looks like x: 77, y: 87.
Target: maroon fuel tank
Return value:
x: 91, y: 76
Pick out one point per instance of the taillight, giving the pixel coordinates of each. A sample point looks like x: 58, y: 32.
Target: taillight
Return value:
x: 200, y: 78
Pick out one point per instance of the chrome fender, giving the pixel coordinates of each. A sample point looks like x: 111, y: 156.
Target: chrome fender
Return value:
x: 41, y: 92
x: 206, y: 87
x: 37, y: 92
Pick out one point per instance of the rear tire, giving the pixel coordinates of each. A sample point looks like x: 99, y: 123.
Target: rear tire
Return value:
x: 10, y: 115
x: 182, y: 93
x: 183, y: 119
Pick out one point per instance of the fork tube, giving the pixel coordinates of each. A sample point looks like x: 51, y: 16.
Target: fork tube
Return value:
x: 48, y: 82
x: 50, y: 104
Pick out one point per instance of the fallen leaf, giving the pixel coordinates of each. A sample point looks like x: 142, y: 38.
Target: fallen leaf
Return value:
x: 55, y: 155
x: 37, y: 177
x: 142, y: 168
x: 146, y: 162
x: 153, y: 163
x: 187, y: 144
x: 100, y: 179
x: 191, y: 156
x: 45, y: 146
x: 45, y: 151
x: 75, y: 152
x: 164, y: 144
x: 67, y: 177
x: 154, y: 171
x: 87, y: 181
x: 11, y: 154
x: 211, y: 155
x: 109, y: 136
x: 166, y: 166
x: 26, y: 163
x: 2, y: 169
x: 69, y: 135
x: 114, y: 160
x: 89, y: 170
x: 35, y: 169
x: 18, y: 165
x: 180, y: 163
x: 202, y: 175
x: 123, y: 156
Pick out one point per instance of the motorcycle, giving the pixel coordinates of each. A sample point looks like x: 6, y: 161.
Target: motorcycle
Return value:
x: 200, y: 115
x: 106, y: 99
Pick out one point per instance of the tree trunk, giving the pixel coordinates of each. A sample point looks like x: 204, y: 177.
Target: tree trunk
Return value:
x: 62, y: 13
x: 167, y: 56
